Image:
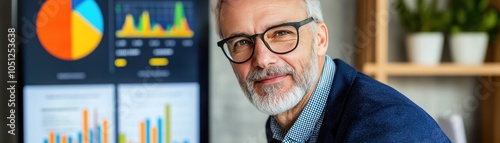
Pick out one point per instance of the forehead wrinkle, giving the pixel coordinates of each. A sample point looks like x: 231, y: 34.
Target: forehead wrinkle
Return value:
x: 272, y: 16
x: 259, y: 13
x: 228, y: 8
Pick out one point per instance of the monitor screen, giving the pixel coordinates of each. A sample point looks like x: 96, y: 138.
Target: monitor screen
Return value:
x: 114, y: 71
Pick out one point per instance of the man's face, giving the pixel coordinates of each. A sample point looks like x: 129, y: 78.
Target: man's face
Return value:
x: 273, y: 82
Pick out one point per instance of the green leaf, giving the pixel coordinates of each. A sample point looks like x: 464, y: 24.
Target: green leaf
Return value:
x: 455, y: 29
x: 461, y: 16
x: 483, y: 4
x: 489, y: 21
x: 469, y: 4
x: 426, y: 18
x: 420, y: 6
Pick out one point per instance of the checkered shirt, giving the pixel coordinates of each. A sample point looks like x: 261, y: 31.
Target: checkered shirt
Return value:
x: 306, y: 128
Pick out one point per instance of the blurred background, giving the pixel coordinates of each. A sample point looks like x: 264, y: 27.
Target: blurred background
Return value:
x: 372, y: 36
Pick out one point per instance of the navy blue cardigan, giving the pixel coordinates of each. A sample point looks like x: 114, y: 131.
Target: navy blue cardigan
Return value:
x: 361, y: 109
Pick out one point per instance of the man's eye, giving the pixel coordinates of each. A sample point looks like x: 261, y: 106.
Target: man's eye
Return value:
x: 241, y: 43
x: 282, y: 33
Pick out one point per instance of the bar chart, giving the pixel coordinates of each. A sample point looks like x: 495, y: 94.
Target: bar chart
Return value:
x: 158, y: 113
x: 70, y: 113
x: 98, y: 134
x: 153, y: 132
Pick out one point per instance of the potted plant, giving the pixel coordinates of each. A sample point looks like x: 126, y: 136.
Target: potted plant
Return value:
x: 425, y: 24
x: 472, y: 20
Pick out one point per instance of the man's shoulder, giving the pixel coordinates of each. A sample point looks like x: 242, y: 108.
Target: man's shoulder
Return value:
x: 361, y: 90
x: 369, y: 93
x: 367, y: 110
x: 383, y: 116
x: 366, y: 96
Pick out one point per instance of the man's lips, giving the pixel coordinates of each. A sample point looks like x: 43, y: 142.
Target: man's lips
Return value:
x: 271, y: 79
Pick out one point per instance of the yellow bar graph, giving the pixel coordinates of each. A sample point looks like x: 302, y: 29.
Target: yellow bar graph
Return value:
x: 83, y: 136
x: 64, y: 139
x: 85, y: 127
x: 160, y: 133
x: 52, y: 137
x: 154, y: 135
x: 167, y: 123
x: 122, y: 138
x: 142, y: 132
x: 105, y: 131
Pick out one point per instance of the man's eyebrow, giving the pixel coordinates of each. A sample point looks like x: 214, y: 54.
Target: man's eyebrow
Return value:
x: 267, y: 26
x: 239, y: 34
x: 273, y: 24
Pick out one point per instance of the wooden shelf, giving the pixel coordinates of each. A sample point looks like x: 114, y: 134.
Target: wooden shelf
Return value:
x: 445, y: 69
x: 372, y: 50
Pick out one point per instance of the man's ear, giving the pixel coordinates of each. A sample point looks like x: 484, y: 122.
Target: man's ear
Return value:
x: 321, y: 39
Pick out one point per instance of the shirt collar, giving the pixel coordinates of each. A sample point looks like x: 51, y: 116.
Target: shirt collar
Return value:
x: 310, y: 116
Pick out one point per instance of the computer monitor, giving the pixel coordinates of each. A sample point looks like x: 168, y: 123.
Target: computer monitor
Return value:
x: 114, y: 71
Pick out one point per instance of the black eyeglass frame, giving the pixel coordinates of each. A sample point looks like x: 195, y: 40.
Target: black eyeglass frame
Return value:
x: 297, y: 25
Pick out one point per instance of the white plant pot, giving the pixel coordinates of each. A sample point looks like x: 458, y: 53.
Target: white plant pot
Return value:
x: 469, y: 48
x: 425, y: 48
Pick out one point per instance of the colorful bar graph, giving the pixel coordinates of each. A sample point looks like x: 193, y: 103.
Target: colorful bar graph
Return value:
x: 96, y: 134
x: 159, y: 131
x: 91, y: 137
x: 142, y: 132
x: 80, y: 138
x: 150, y: 133
x: 51, y: 137
x: 154, y: 135
x: 85, y: 127
x: 167, y: 123
x: 64, y: 139
x: 105, y: 131
x: 147, y: 131
x: 99, y: 133
x: 121, y: 138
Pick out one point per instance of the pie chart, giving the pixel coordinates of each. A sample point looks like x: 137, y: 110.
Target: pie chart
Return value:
x: 69, y: 29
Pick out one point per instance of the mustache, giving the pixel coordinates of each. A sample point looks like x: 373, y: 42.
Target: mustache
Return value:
x: 260, y: 73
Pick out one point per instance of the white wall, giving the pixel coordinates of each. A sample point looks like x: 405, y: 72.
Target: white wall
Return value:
x: 232, y: 117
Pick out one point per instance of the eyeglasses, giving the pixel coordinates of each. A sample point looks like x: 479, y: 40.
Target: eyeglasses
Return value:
x: 279, y: 39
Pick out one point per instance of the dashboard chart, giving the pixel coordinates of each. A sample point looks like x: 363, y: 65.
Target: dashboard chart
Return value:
x: 151, y: 113
x: 73, y: 32
x: 97, y: 133
x: 154, y: 38
x: 114, y: 71
x: 71, y: 113
x: 163, y: 22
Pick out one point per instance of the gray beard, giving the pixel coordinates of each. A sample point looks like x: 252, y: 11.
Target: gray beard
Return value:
x: 275, y: 102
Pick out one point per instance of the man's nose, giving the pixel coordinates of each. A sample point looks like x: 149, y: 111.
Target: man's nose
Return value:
x: 263, y: 57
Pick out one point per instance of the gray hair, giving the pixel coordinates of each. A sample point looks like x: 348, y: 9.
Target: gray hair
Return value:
x: 313, y: 9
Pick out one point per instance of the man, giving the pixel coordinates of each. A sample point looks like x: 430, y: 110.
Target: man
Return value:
x: 277, y: 49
